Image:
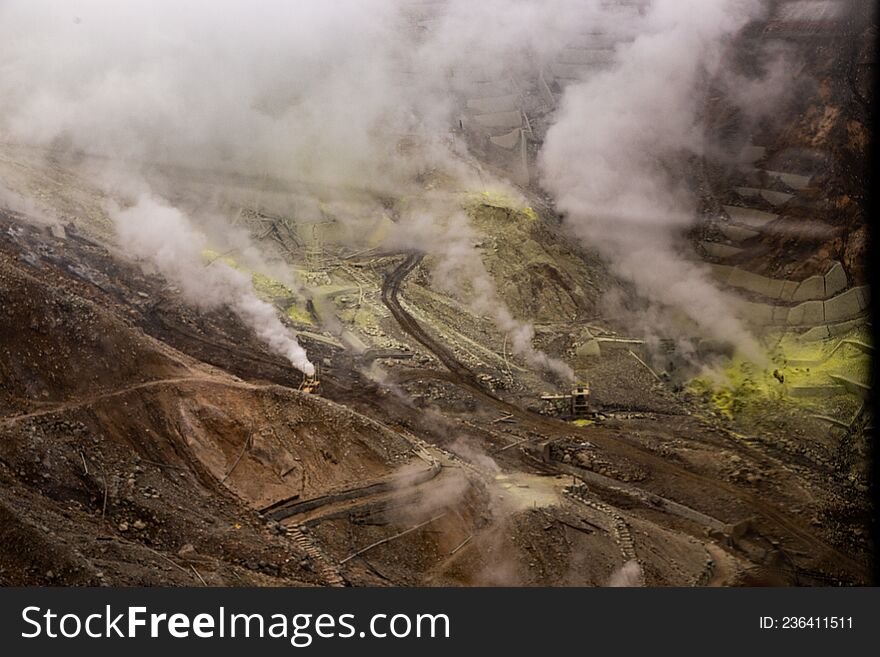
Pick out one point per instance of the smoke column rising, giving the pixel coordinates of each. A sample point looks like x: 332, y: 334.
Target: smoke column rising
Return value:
x: 310, y: 91
x: 162, y: 235
x: 607, y: 158
x: 460, y: 271
x: 324, y: 92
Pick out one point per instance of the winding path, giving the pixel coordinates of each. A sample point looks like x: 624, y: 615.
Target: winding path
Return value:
x: 460, y: 375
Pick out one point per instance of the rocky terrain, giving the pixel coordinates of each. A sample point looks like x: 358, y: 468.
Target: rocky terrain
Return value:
x: 147, y: 441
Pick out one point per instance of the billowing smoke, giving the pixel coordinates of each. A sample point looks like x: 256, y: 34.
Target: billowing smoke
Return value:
x: 163, y: 236
x: 327, y: 93
x: 307, y: 91
x: 628, y: 575
x: 310, y: 90
x: 613, y: 158
x: 275, y: 87
x: 460, y: 271
x: 28, y: 208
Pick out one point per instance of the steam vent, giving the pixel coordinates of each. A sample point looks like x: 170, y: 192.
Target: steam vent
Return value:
x: 436, y: 293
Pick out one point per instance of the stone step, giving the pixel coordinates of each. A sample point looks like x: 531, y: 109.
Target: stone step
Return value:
x: 810, y: 289
x: 821, y: 391
x: 749, y: 216
x: 719, y: 250
x: 795, y: 181
x: 325, y: 568
x: 736, y: 233
x: 836, y: 384
x: 764, y: 314
x: 774, y: 198
x: 847, y: 305
x: 850, y: 305
x: 855, y: 346
x: 776, y: 289
x: 852, y: 386
x: 808, y: 313
x: 832, y: 331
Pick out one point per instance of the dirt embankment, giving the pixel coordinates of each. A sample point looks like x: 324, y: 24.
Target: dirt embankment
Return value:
x: 126, y: 461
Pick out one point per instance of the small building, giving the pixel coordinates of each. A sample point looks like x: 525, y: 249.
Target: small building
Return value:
x: 576, y: 404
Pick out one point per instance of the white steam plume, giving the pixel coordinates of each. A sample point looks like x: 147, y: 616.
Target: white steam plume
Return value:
x: 161, y: 234
x: 608, y: 157
x: 28, y: 208
x: 311, y: 90
x: 307, y: 91
x: 324, y: 92
x: 460, y: 270
x: 627, y: 576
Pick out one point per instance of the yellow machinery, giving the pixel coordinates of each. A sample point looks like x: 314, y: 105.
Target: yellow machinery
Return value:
x: 311, y: 384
